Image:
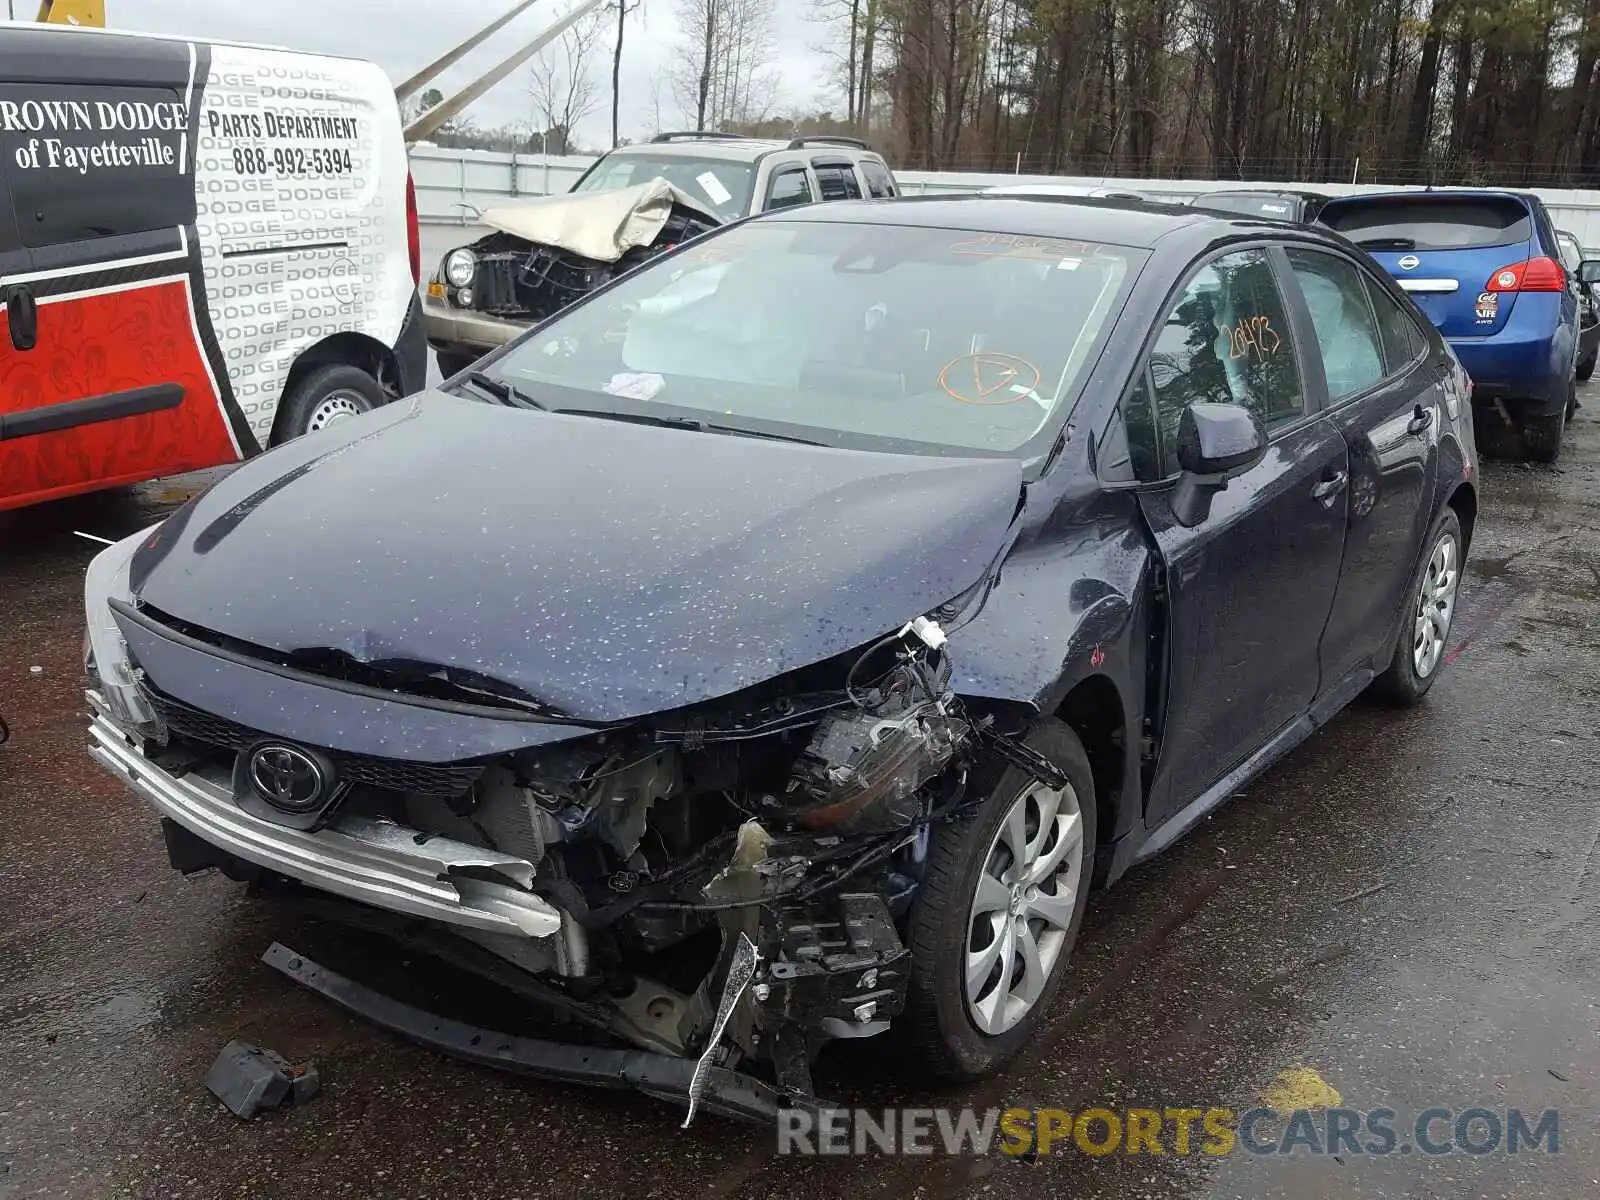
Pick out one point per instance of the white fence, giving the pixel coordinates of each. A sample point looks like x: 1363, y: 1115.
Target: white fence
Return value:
x: 451, y: 184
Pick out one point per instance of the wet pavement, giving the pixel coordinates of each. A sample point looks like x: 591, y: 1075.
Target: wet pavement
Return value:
x: 1405, y: 906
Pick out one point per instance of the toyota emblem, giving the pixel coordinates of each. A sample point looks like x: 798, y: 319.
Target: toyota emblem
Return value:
x: 286, y: 778
x: 1410, y: 262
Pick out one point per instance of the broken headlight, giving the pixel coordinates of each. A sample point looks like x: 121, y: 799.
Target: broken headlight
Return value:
x: 865, y: 767
x: 105, y: 653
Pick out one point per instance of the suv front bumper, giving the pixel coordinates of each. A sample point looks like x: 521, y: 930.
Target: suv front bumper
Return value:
x: 463, y: 331
x: 380, y: 863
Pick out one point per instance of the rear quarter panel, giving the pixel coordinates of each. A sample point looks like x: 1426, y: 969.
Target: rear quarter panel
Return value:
x: 301, y: 173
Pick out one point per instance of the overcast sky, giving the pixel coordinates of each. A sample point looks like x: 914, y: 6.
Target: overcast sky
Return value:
x: 405, y: 35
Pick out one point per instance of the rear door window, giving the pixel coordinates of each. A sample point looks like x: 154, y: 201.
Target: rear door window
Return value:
x: 1335, y: 291
x: 101, y: 163
x: 880, y: 184
x: 837, y: 181
x: 1432, y: 223
x: 1403, y: 341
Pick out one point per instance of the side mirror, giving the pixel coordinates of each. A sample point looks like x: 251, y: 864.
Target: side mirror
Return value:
x: 1589, y: 271
x: 1216, y: 442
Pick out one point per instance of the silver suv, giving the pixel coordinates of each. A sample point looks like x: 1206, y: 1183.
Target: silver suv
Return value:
x: 545, y: 253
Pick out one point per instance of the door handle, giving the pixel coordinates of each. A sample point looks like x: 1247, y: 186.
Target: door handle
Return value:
x: 1328, y: 490
x: 1421, y: 418
x: 22, y: 315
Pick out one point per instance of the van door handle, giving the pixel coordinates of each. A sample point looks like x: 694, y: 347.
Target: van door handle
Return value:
x: 1329, y: 488
x: 22, y: 315
x: 1421, y: 418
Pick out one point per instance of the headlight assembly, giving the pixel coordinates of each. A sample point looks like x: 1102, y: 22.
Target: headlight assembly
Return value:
x: 460, y: 266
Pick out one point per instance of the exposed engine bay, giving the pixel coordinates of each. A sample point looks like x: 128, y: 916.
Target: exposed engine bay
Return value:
x: 731, y: 880
x: 545, y: 255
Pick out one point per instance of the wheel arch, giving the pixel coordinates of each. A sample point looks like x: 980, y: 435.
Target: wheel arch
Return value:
x: 1464, y: 500
x: 1095, y: 709
x: 347, y: 348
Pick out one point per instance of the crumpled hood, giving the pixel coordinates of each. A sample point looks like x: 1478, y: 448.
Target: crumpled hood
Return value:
x: 608, y: 570
x: 598, y: 225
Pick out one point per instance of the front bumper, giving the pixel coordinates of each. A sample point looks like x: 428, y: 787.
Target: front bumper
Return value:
x: 379, y: 863
x: 465, y: 331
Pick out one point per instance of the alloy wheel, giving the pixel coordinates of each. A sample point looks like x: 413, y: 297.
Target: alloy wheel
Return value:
x: 1022, y: 906
x: 1436, y: 605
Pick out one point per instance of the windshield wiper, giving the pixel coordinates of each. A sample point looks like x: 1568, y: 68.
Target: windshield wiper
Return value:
x: 692, y: 423
x: 1388, y: 243
x: 504, y: 391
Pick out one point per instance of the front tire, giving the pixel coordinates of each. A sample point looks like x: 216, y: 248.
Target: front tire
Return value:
x: 1419, y: 653
x: 324, y: 397
x: 1586, y: 368
x: 995, y: 920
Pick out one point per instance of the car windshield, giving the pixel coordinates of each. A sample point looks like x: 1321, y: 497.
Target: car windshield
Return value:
x: 1571, y: 250
x: 1431, y: 222
x: 722, y: 185
x: 884, y: 336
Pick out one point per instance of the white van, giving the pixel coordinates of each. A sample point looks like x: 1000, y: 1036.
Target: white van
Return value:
x: 205, y: 249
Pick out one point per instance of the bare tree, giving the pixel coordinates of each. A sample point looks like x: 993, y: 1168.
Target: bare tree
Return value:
x: 623, y: 8
x: 726, y: 72
x: 561, y: 82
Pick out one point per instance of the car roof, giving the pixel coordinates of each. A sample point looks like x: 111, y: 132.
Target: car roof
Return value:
x: 733, y: 149
x: 1139, y: 224
x: 1056, y: 189
x: 1268, y: 192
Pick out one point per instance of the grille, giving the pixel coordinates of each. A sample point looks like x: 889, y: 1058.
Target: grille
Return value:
x: 193, y: 725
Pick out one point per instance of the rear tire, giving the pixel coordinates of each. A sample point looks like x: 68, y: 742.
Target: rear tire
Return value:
x: 325, y: 396
x: 1419, y: 653
x: 1541, y: 436
x: 972, y: 851
x: 1586, y: 368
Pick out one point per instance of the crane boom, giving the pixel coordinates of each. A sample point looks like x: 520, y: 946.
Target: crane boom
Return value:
x: 449, y: 59
x: 440, y: 113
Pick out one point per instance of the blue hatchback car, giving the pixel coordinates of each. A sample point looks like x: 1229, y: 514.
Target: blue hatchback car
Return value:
x: 1485, y: 267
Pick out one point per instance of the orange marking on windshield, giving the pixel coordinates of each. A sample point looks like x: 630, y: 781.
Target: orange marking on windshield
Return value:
x: 1021, y: 246
x: 989, y: 379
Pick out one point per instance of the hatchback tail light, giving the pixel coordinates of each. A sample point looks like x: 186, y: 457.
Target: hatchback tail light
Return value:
x: 413, y: 233
x: 1535, y: 275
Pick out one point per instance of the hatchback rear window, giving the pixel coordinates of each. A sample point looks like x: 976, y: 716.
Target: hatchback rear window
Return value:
x: 1432, y: 223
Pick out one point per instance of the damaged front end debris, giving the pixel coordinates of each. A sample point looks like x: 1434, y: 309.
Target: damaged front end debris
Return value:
x: 723, y: 889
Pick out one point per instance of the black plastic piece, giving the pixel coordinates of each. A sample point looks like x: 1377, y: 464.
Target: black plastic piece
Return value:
x: 730, y: 1093
x: 698, y: 135
x: 826, y: 139
x: 250, y: 1080
x: 53, y: 418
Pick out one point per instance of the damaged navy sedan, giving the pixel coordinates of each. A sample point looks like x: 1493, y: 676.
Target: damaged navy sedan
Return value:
x: 774, y: 647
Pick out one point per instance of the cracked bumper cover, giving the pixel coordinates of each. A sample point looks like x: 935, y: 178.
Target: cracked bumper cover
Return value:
x: 379, y: 863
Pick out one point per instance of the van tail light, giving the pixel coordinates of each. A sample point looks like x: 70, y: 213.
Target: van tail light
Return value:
x: 413, y: 233
x: 1535, y: 275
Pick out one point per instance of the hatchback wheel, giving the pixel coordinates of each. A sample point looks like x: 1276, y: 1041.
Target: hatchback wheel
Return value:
x: 1430, y: 611
x: 1002, y: 897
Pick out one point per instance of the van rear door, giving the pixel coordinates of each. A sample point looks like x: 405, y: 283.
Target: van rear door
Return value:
x: 1447, y: 251
x: 121, y: 380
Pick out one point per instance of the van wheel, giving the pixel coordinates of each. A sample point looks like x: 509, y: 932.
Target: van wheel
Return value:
x: 1003, y: 891
x: 1541, y: 436
x: 326, y: 396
